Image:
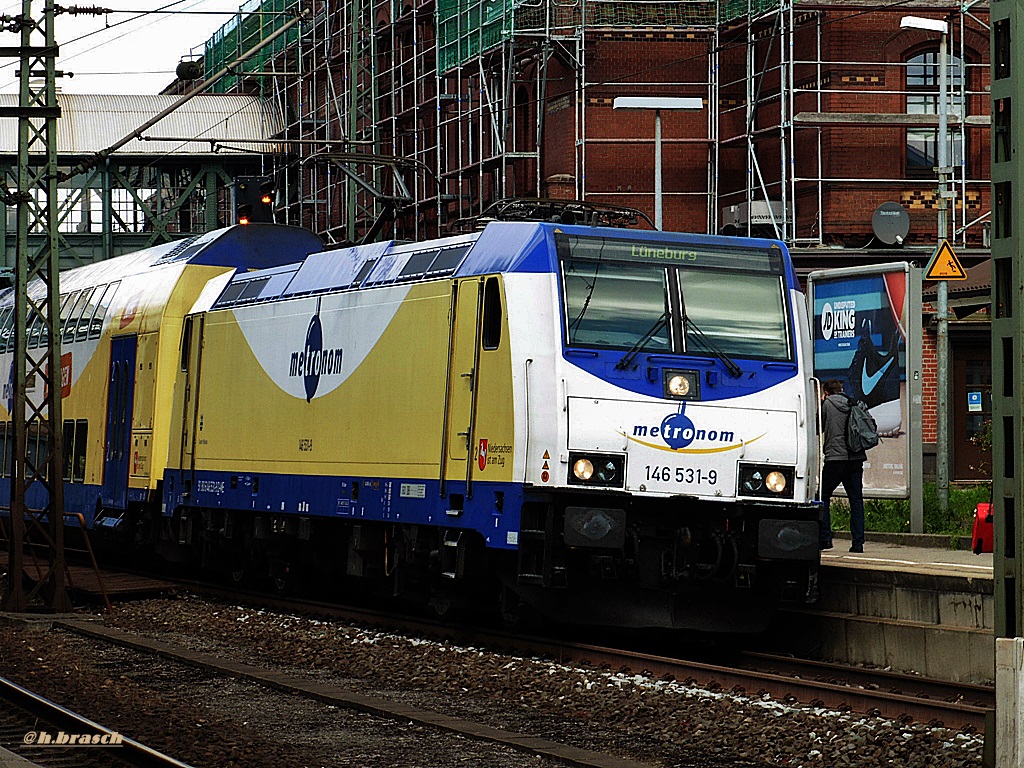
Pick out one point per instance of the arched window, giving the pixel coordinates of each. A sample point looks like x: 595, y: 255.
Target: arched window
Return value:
x: 923, y: 99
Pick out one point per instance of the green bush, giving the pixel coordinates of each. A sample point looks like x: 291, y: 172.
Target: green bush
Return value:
x: 893, y: 515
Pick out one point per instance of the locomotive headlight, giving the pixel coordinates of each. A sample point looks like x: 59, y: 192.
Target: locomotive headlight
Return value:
x: 766, y: 481
x: 681, y: 385
x: 599, y: 470
x: 583, y: 469
x: 753, y: 482
x: 607, y: 472
x: 776, y: 482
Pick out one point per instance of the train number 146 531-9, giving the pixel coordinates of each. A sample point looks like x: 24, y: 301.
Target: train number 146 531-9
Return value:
x: 688, y: 475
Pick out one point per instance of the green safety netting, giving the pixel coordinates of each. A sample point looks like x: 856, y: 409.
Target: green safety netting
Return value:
x: 731, y: 10
x: 255, y: 21
x: 467, y: 28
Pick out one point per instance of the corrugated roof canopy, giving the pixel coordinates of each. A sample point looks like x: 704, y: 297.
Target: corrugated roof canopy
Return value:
x: 90, y: 123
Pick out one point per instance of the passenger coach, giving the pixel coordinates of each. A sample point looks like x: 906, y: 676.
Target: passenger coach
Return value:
x: 120, y: 323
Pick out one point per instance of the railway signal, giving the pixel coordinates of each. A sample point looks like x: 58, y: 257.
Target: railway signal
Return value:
x: 254, y: 199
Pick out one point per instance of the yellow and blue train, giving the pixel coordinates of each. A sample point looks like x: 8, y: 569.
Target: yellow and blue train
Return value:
x: 598, y: 424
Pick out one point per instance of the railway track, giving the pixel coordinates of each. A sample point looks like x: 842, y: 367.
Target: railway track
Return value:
x: 43, y: 733
x: 902, y: 697
x: 342, y: 697
x: 893, y: 695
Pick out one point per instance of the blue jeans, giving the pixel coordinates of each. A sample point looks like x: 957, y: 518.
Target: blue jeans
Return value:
x: 851, y: 475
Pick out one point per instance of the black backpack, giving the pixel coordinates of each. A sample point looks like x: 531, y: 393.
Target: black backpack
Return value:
x: 861, y: 430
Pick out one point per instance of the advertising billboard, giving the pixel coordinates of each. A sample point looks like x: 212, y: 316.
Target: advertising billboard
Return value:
x: 867, y: 334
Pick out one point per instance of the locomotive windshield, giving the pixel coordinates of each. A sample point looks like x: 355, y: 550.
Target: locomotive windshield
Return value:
x: 618, y: 294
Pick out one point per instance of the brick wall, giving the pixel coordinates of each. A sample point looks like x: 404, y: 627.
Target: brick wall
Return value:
x: 863, y: 71
x: 928, y: 382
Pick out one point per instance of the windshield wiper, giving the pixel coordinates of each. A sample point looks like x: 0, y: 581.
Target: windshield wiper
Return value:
x: 709, y: 346
x: 642, y: 342
x: 575, y: 324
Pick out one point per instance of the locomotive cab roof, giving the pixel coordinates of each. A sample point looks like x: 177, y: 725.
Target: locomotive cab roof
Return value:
x: 499, y: 247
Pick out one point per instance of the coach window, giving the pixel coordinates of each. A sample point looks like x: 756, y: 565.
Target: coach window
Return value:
x: 7, y: 330
x: 81, y: 443
x: 75, y: 315
x: 75, y: 434
x: 33, y: 455
x: 923, y: 99
x: 88, y: 310
x: 66, y: 305
x: 34, y: 325
x: 491, y: 334
x: 102, y: 305
x: 69, y: 444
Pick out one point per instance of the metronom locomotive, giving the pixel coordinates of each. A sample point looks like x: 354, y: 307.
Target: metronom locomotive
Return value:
x: 596, y: 424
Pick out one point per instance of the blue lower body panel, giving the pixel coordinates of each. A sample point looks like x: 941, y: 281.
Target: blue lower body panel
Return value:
x: 493, y: 509
x: 78, y: 498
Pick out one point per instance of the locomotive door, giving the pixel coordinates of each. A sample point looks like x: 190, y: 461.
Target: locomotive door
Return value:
x: 120, y: 400
x: 191, y: 365
x: 463, y: 361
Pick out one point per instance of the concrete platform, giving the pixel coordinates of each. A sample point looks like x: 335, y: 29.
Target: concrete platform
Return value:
x: 916, y: 608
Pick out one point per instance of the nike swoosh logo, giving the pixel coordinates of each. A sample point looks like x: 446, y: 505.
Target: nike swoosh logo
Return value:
x: 868, y: 383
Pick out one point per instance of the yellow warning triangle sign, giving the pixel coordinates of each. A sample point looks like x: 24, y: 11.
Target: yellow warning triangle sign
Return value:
x: 944, y: 265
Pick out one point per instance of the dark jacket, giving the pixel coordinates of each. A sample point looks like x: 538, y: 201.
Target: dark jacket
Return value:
x: 835, y: 411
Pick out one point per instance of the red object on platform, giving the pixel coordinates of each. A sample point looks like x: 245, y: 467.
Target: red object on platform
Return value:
x: 982, y: 536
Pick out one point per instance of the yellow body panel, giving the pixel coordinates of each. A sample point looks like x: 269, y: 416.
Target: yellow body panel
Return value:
x: 166, y: 327
x: 385, y: 419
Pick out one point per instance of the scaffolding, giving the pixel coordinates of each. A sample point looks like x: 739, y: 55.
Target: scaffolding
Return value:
x: 417, y: 114
x: 801, y: 102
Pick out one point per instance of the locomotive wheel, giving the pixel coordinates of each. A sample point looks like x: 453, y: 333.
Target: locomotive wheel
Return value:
x: 442, y: 606
x: 514, y: 613
x: 282, y: 580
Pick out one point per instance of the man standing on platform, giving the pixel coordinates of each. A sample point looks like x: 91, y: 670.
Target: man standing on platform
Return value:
x: 841, y: 465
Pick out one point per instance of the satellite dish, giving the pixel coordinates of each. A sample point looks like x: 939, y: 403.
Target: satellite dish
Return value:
x: 890, y: 222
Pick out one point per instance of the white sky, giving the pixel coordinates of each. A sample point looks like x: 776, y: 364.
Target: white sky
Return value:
x: 129, y: 51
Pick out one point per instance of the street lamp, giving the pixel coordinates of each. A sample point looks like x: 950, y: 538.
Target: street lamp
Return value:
x: 657, y: 104
x: 942, y: 309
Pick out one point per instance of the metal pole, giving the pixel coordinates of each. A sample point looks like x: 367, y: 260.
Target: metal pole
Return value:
x: 657, y: 170
x: 942, y: 336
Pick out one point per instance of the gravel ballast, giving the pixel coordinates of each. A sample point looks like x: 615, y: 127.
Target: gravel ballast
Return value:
x: 230, y: 723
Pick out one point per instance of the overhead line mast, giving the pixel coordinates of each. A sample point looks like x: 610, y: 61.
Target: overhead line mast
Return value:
x: 34, y: 399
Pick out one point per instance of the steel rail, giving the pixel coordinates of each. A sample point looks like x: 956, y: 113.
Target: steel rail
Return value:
x: 337, y: 696
x: 127, y: 751
x: 874, y: 692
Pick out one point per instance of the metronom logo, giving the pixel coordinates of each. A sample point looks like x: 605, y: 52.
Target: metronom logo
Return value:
x: 61, y: 739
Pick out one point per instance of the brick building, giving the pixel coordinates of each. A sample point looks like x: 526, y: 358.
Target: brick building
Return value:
x: 408, y: 117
